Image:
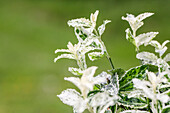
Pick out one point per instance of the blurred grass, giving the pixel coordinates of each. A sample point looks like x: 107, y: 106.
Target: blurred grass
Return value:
x: 31, y: 30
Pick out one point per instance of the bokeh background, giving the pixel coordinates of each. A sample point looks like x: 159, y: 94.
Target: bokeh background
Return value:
x: 31, y: 30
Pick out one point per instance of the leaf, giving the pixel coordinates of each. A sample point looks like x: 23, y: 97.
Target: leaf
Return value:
x: 142, y: 16
x: 101, y: 101
x: 89, y: 72
x: 81, y: 33
x: 61, y: 50
x: 147, y: 57
x: 95, y: 55
x: 167, y: 58
x: 101, y: 78
x: 125, y: 82
x: 118, y: 71
x: 69, y: 56
x: 158, y: 47
x: 161, y: 51
x: 166, y: 109
x: 133, y: 102
x: 86, y: 82
x: 143, y: 85
x: 75, y: 71
x: 101, y: 28
x: 163, y: 98
x: 114, y: 81
x: 92, y: 93
x: 135, y: 93
x: 155, y: 44
x: 134, y: 23
x: 79, y: 22
x: 75, y: 80
x: 152, y: 68
x: 165, y: 42
x: 130, y: 37
x: 134, y: 111
x: 93, y: 18
x: 145, y: 38
x: 72, y: 97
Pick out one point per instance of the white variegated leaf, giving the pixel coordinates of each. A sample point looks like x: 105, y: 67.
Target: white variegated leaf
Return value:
x: 163, y: 98
x: 86, y: 82
x: 79, y: 22
x: 102, y: 100
x: 101, y: 78
x: 130, y: 37
x: 161, y: 51
x: 136, y: 22
x: 73, y: 98
x: 101, y: 28
x: 93, y: 18
x: 147, y: 57
x: 75, y: 80
x: 75, y: 71
x: 73, y: 49
x: 152, y: 78
x: 136, y: 93
x: 95, y: 55
x: 69, y: 56
x: 166, y: 92
x: 61, y: 50
x: 134, y: 111
x: 164, y: 86
x: 89, y: 72
x: 165, y: 42
x: 133, y: 22
x: 163, y: 64
x: 155, y: 44
x: 145, y: 38
x: 143, y: 85
x: 142, y: 16
x: 167, y: 58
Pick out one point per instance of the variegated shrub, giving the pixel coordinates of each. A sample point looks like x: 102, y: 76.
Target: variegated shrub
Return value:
x: 141, y: 89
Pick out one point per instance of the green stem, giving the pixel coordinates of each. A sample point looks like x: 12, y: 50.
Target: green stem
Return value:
x: 107, y: 54
x: 110, y: 61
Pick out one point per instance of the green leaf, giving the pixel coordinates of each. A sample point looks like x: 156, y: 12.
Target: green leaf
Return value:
x: 114, y: 108
x: 125, y: 82
x: 133, y: 102
x: 152, y: 68
x: 118, y: 71
x: 95, y: 55
x: 166, y: 110
x: 91, y: 93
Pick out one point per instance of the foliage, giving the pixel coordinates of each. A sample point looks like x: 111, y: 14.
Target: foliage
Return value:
x: 141, y: 89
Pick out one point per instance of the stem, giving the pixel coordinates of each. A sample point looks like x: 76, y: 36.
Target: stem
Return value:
x: 89, y: 108
x: 134, y: 33
x: 107, y: 54
x: 104, y: 47
x: 110, y: 61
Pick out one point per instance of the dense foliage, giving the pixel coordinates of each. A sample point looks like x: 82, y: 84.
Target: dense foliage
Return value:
x: 141, y: 89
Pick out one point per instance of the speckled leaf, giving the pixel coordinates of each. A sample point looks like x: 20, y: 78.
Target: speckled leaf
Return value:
x: 125, y: 82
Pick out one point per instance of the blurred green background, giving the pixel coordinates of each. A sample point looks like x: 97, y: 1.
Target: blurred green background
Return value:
x: 31, y: 30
